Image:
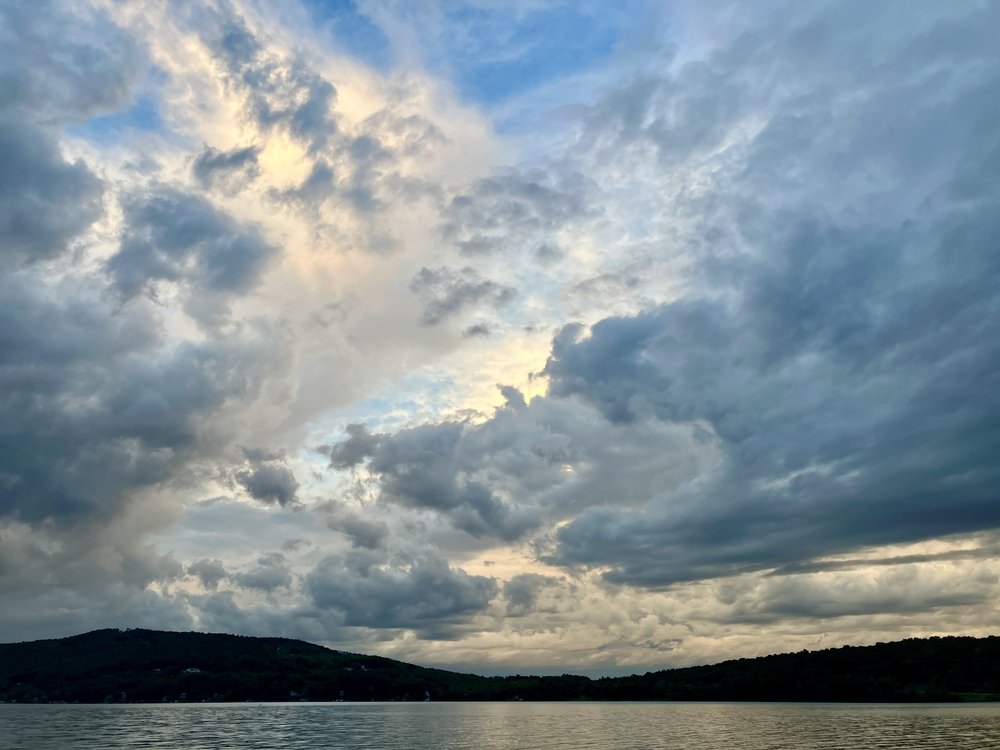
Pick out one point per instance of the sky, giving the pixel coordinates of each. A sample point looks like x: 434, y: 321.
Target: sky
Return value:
x: 504, y: 336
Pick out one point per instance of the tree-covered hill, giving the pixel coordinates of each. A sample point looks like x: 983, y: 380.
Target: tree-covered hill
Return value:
x: 916, y: 669
x: 155, y: 666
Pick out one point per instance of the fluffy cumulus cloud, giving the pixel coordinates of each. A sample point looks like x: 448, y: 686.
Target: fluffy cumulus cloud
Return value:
x: 179, y: 237
x: 672, y: 345
x: 425, y: 594
x: 266, y: 478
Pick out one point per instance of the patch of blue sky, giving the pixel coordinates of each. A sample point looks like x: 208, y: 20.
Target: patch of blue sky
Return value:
x: 142, y: 116
x: 418, y: 395
x: 352, y: 31
x: 497, y: 54
x: 399, y: 404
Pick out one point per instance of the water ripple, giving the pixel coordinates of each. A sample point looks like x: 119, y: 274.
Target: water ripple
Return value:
x: 501, y: 726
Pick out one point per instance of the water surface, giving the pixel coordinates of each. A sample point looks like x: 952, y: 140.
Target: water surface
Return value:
x: 443, y: 726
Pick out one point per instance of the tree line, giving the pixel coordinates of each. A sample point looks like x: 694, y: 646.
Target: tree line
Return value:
x: 155, y: 666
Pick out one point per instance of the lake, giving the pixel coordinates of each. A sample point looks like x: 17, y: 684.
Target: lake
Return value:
x: 440, y: 726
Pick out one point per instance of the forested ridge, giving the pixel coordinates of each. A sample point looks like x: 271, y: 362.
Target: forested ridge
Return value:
x: 154, y: 666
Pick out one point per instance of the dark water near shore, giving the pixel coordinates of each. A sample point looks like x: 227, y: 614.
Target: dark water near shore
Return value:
x: 442, y: 726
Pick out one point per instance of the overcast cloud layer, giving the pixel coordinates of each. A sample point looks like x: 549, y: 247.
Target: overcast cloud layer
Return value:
x: 423, y: 330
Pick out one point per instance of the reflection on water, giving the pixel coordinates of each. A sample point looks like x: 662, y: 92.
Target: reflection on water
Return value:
x: 439, y: 726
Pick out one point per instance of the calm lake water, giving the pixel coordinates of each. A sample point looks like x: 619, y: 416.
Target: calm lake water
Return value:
x: 439, y: 726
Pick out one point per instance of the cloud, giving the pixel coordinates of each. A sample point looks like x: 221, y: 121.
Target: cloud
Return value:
x: 820, y: 450
x: 426, y: 595
x: 479, y: 330
x: 833, y: 361
x: 229, y: 170
x: 268, y: 480
x: 422, y: 468
x: 270, y: 573
x: 46, y: 201
x: 280, y: 90
x: 447, y: 292
x: 319, y: 185
x: 360, y: 444
x: 522, y: 592
x: 362, y: 532
x: 99, y: 408
x: 528, y: 465
x: 987, y: 551
x: 774, y: 227
x: 902, y: 590
x: 508, y: 212
x: 269, y: 484
x: 95, y: 71
x: 100, y: 575
x: 820, y: 381
x: 210, y: 572
x: 285, y: 92
x: 173, y: 236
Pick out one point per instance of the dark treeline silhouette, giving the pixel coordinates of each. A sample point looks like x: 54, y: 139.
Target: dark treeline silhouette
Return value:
x: 154, y: 666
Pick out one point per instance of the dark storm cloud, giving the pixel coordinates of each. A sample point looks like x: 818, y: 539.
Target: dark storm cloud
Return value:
x: 447, y: 292
x: 854, y: 406
x: 53, y: 583
x: 805, y: 597
x: 427, y: 468
x: 219, y: 612
x: 40, y: 374
x: 522, y: 590
x: 270, y: 572
x: 59, y: 67
x: 266, y: 477
x: 419, y: 468
x: 255, y: 455
x: 177, y: 237
x: 360, y: 444
x: 210, y: 572
x: 426, y: 595
x: 829, y: 374
x: 45, y: 201
x: 57, y: 613
x: 503, y: 478
x: 229, y: 170
x: 509, y: 212
x: 362, y: 532
x: 93, y: 407
x: 848, y: 370
x: 984, y: 552
x: 99, y: 413
x: 269, y: 483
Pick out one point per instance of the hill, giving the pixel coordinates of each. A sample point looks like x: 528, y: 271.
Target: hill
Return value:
x: 155, y: 666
